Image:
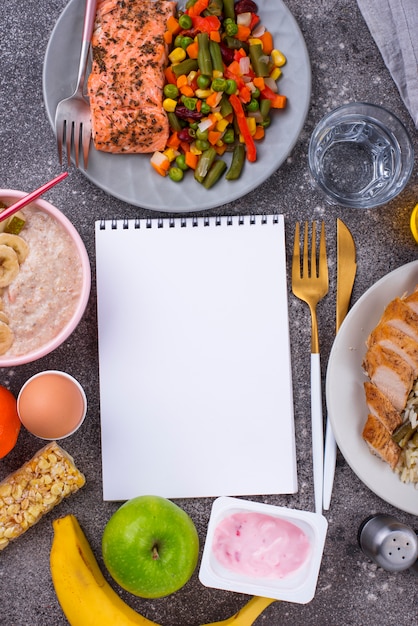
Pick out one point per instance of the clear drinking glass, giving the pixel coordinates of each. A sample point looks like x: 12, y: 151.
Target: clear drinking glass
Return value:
x: 360, y: 155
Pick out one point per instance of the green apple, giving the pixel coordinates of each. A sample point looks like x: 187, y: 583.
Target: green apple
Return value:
x: 150, y: 546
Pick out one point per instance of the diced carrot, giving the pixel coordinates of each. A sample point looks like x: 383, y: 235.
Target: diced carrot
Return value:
x: 214, y: 136
x: 212, y: 117
x: 220, y: 150
x: 192, y: 50
x: 186, y: 90
x: 173, y: 25
x: 173, y: 141
x: 267, y: 42
x: 161, y: 168
x: 234, y: 68
x: 243, y: 33
x: 259, y: 133
x: 170, y: 76
x: 214, y: 99
x: 245, y: 94
x: 259, y: 82
x: 197, y: 8
x: 215, y: 35
x: 168, y: 37
x: 181, y: 80
x: 198, y: 105
x: 191, y: 159
x: 279, y: 101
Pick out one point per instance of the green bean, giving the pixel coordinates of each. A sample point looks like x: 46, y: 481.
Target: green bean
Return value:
x: 258, y: 62
x: 174, y: 121
x: 216, y: 56
x: 205, y: 161
x: 226, y: 107
x: 229, y: 9
x: 185, y: 67
x: 403, y: 434
x: 214, y: 174
x: 235, y: 44
x: 237, y: 163
x: 204, y: 60
x: 215, y: 7
x: 265, y: 106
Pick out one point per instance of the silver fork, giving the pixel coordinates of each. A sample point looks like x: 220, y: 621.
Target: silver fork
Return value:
x: 310, y: 284
x: 72, y: 117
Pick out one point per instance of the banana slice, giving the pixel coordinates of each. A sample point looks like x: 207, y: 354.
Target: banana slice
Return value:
x: 9, y: 265
x: 6, y: 337
x: 18, y: 244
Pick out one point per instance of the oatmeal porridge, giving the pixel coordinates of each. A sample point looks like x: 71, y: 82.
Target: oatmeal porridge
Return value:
x: 42, y: 298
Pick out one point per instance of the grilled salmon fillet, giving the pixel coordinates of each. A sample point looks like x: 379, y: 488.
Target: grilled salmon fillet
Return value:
x: 126, y: 82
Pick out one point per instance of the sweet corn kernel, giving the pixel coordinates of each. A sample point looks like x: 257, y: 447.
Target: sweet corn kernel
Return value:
x: 203, y: 93
x: 275, y: 73
x: 194, y: 149
x: 251, y: 123
x: 221, y: 125
x: 217, y: 74
x: 278, y: 58
x: 218, y: 115
x: 169, y: 105
x: 254, y: 41
x: 170, y: 154
x: 177, y: 55
x: 191, y: 76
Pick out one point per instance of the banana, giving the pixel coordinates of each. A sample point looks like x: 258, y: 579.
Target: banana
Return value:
x: 6, y: 337
x: 83, y: 593
x: 86, y: 597
x: 9, y: 265
x: 18, y: 244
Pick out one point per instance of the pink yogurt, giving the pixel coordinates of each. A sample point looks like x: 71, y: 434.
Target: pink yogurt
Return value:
x: 260, y: 546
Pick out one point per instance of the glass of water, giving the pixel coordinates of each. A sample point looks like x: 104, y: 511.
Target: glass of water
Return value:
x: 360, y: 155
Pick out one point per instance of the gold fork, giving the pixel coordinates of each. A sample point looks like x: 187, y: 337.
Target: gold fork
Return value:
x: 310, y: 284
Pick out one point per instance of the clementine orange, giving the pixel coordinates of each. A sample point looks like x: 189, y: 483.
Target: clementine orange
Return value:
x: 9, y: 421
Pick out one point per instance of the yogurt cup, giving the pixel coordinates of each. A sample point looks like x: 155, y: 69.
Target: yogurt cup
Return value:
x: 298, y: 584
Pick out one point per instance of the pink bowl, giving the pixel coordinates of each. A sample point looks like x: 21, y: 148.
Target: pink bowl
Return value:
x: 9, y: 196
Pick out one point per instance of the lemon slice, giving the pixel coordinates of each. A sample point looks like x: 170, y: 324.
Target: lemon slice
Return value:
x: 414, y: 223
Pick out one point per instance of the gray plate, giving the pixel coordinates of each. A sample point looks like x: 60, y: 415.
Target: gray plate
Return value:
x: 131, y: 177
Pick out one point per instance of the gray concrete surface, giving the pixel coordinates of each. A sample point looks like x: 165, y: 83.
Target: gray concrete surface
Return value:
x: 346, y: 65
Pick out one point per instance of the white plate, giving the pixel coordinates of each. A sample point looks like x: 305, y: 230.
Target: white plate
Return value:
x: 346, y: 402
x: 131, y: 177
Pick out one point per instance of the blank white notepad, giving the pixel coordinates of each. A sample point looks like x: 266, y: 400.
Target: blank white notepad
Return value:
x: 195, y: 373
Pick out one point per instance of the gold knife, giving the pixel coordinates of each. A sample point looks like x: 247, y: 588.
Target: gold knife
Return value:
x: 346, y: 272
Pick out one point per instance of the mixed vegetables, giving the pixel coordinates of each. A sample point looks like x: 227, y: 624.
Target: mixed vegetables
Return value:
x: 220, y: 91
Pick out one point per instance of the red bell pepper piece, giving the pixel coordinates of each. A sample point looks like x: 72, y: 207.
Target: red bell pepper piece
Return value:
x: 206, y: 24
x: 243, y: 127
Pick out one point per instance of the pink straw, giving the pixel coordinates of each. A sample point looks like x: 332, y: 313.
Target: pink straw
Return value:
x: 31, y: 196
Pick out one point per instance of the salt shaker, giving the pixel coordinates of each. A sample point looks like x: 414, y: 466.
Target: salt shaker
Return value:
x: 389, y: 543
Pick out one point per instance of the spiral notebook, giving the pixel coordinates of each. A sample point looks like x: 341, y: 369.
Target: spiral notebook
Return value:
x: 194, y: 357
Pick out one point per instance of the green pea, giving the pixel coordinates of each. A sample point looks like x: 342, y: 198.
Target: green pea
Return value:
x: 177, y: 41
x: 171, y: 91
x: 202, y: 144
x: 266, y: 122
x: 189, y: 103
x: 231, y: 28
x: 185, y: 41
x: 229, y: 136
x: 205, y: 109
x: 231, y: 86
x: 203, y: 81
x: 219, y: 84
x: 176, y: 174
x: 256, y: 93
x: 181, y: 162
x: 193, y: 127
x: 185, y: 21
x: 201, y: 134
x: 252, y: 105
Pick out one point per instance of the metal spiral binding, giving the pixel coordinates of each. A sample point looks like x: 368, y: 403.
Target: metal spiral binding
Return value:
x: 184, y: 221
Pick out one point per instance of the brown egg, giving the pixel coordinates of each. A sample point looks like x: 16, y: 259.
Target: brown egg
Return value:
x: 51, y: 405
